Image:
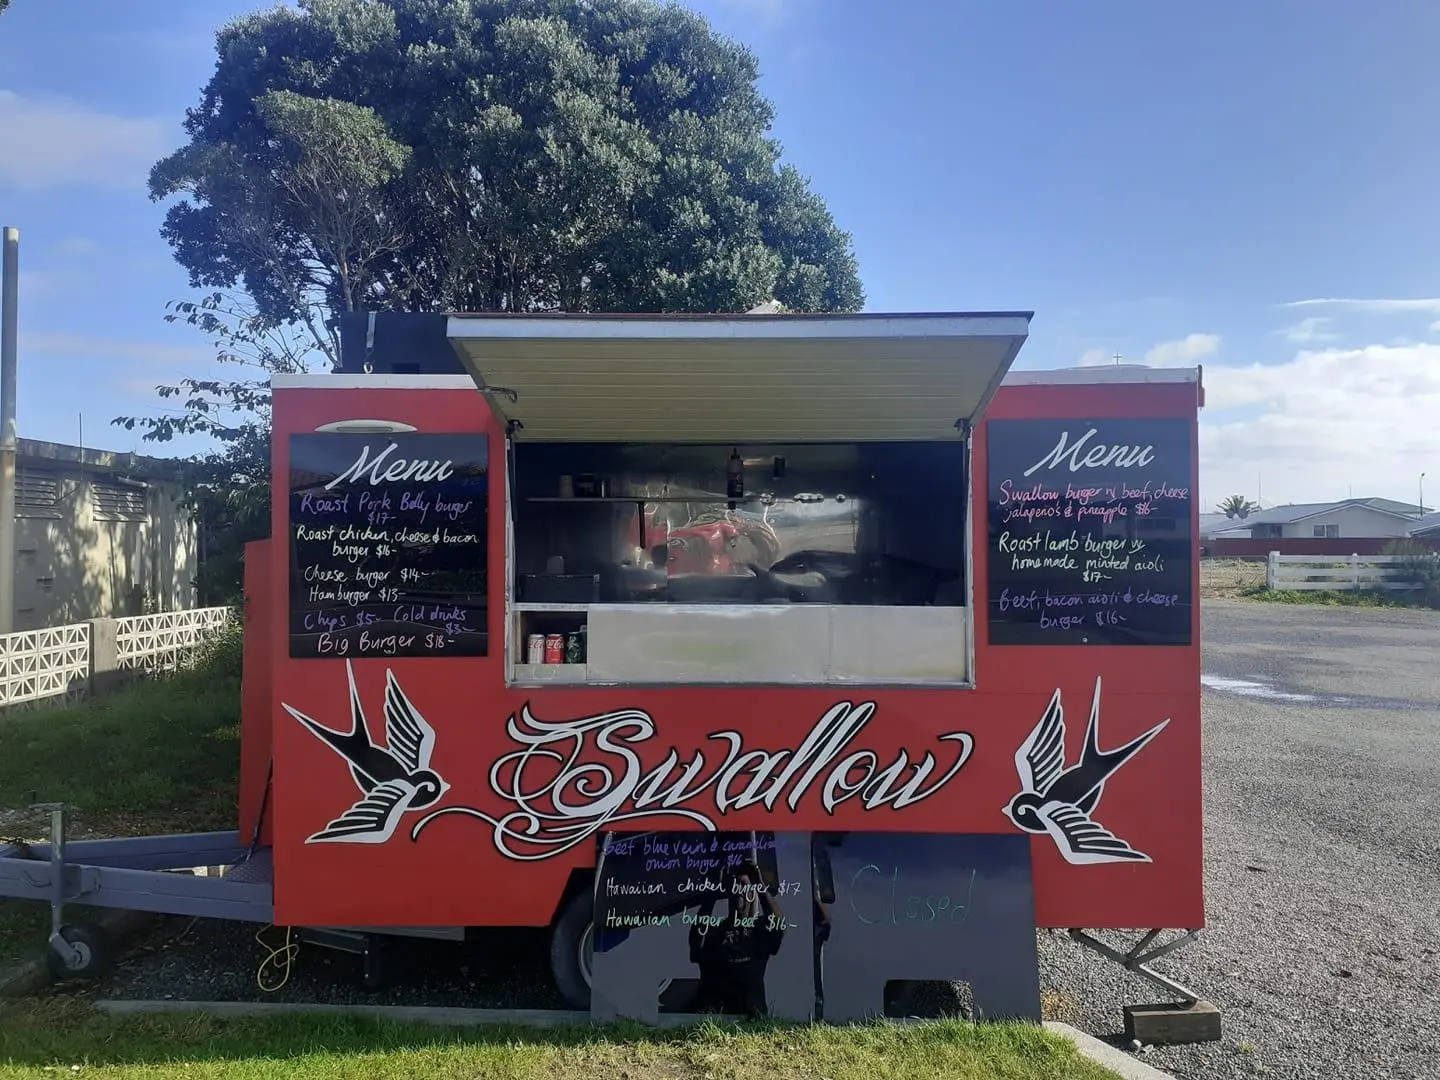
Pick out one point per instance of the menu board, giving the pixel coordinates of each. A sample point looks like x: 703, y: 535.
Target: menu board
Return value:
x: 704, y: 922
x: 387, y: 545
x: 926, y: 907
x: 1090, y: 534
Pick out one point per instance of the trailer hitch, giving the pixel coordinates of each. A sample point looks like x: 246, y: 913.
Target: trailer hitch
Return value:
x: 71, y: 956
x: 75, y: 951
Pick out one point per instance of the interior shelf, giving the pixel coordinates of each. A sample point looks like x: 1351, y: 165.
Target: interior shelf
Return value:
x: 549, y: 673
x: 542, y: 608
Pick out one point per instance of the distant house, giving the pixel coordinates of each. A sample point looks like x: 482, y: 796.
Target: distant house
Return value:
x: 1346, y: 519
x: 1426, y: 528
x: 99, y: 534
x: 1211, y: 524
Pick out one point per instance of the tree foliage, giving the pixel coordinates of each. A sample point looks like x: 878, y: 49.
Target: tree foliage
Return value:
x: 494, y: 155
x: 1237, y: 506
x: 464, y: 155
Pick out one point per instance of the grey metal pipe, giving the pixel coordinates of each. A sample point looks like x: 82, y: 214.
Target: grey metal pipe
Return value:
x: 9, y: 437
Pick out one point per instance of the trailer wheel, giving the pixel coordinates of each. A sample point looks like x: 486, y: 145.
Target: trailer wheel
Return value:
x: 87, y: 957
x: 571, y: 950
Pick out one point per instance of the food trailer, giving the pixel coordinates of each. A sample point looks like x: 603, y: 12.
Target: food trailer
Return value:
x: 770, y: 661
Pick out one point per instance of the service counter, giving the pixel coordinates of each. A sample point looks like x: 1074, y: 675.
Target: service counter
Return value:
x: 777, y: 645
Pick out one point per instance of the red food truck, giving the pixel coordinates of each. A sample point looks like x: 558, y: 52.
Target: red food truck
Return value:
x: 538, y: 583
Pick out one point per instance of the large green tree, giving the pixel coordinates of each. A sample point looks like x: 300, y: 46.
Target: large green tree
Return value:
x: 494, y: 155
x: 473, y: 155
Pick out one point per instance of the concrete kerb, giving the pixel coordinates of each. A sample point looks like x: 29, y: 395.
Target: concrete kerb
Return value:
x: 32, y: 974
x: 1101, y: 1053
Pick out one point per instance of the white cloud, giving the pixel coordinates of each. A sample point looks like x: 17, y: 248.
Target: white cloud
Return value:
x: 50, y: 143
x: 1378, y: 307
x: 1310, y: 331
x: 1167, y: 353
x: 1185, y: 351
x: 1327, y: 424
x: 1435, y: 327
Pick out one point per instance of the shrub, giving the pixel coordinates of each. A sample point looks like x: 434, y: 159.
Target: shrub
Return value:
x: 1418, y: 567
x: 220, y: 656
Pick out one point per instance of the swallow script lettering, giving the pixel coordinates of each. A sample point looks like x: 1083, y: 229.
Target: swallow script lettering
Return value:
x: 395, y: 470
x: 1094, y: 456
x: 572, y: 778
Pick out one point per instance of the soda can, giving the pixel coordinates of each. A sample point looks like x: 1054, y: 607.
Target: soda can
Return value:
x: 573, y: 653
x: 535, y: 649
x: 554, y: 648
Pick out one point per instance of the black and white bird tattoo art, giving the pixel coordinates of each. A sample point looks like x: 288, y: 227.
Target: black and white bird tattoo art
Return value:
x: 1059, y: 801
x: 392, y: 779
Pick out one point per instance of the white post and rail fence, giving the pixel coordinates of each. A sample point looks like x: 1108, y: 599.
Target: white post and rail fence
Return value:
x: 1338, y: 573
x: 61, y: 664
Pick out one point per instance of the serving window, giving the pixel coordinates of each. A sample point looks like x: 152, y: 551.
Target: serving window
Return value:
x: 783, y: 563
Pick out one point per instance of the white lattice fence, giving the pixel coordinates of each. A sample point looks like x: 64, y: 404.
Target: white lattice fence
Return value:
x: 154, y: 643
x: 56, y: 665
x: 39, y: 664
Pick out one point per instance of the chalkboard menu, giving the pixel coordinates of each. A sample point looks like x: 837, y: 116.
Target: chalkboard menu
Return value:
x: 927, y: 908
x: 1090, y: 536
x: 704, y: 922
x: 387, y: 545
x: 772, y: 924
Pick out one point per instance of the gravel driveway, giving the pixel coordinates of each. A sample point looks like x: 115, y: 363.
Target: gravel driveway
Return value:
x: 1322, y: 791
x: 1323, y: 872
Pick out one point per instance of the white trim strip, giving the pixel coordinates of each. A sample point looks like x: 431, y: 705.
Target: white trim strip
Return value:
x: 330, y: 381
x: 1100, y: 375
x: 1031, y: 377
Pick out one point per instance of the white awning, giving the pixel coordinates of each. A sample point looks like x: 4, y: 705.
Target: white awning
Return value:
x: 739, y: 378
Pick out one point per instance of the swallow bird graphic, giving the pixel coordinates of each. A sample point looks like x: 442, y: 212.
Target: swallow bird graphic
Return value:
x: 392, y: 779
x: 1059, y: 801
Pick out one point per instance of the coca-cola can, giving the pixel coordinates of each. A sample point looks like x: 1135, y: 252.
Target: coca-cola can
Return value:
x: 554, y: 648
x: 535, y: 649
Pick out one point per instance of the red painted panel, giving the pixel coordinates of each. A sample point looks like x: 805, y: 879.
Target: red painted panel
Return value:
x: 524, y: 800
x: 255, y: 692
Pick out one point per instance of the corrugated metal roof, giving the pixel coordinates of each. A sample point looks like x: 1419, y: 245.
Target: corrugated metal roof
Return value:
x: 1390, y: 506
x: 1284, y: 515
x: 1426, y: 524
x: 1210, y: 523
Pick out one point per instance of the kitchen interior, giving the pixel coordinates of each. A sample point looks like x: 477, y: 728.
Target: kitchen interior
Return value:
x: 611, y: 530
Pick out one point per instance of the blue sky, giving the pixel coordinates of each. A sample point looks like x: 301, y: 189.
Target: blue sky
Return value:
x: 1251, y: 186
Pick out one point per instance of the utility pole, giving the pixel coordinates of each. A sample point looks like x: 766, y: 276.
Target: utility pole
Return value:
x: 9, y: 440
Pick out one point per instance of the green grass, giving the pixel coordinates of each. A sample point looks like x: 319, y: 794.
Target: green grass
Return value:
x: 45, y: 1037
x: 1365, y: 598
x: 160, y: 756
